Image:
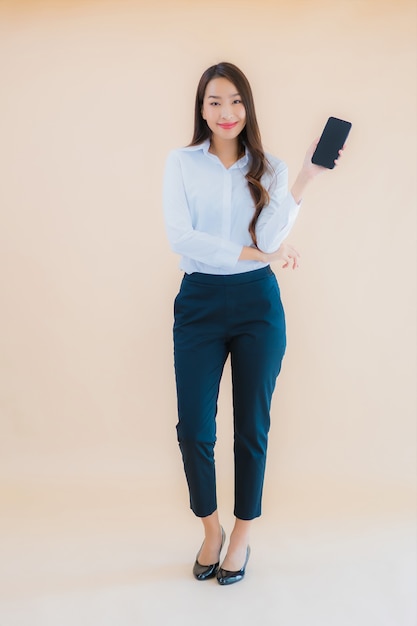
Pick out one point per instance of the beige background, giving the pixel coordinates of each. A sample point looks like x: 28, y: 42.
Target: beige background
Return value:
x: 94, y: 95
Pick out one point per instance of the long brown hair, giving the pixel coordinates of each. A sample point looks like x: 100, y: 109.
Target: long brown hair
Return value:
x: 249, y: 137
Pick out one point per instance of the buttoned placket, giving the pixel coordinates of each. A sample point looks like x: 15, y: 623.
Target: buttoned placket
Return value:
x: 227, y: 204
x: 227, y: 198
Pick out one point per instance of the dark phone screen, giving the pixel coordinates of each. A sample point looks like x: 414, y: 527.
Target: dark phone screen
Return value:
x: 332, y: 139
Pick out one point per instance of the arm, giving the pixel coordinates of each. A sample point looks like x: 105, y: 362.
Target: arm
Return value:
x: 308, y: 172
x: 285, y: 253
x: 182, y: 235
x: 201, y: 246
x: 277, y: 219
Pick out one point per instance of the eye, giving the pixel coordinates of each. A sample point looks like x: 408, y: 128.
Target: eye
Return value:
x: 237, y: 101
x: 214, y: 104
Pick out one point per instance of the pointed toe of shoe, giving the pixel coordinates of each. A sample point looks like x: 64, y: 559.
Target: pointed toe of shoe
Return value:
x: 204, y: 572
x: 226, y: 577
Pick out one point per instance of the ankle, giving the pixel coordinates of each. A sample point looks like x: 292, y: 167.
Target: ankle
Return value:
x: 213, y: 534
x: 212, y: 528
x: 241, y: 533
x: 238, y: 539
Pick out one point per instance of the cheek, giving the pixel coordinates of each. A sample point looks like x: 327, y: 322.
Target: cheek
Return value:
x: 210, y: 116
x: 207, y: 113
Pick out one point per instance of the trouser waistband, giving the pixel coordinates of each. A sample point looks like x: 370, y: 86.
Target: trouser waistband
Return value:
x: 229, y: 279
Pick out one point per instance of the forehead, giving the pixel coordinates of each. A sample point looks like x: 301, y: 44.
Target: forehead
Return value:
x: 221, y: 87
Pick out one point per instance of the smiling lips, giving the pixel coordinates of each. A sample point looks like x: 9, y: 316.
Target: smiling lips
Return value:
x: 228, y: 126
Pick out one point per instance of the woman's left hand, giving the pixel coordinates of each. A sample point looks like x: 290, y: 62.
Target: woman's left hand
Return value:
x: 311, y: 169
x: 286, y: 253
x: 308, y: 172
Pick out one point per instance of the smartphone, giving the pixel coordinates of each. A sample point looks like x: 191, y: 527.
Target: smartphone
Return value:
x: 332, y: 139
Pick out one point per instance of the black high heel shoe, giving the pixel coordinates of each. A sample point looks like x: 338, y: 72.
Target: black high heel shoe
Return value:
x: 204, y: 572
x: 226, y: 577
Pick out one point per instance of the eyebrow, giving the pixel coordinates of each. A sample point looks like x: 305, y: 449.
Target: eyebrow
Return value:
x: 233, y: 95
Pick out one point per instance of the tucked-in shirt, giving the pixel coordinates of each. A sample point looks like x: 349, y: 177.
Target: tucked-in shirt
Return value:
x: 208, y: 209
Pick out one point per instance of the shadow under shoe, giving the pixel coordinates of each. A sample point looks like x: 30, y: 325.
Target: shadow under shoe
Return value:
x: 226, y: 577
x: 204, y: 572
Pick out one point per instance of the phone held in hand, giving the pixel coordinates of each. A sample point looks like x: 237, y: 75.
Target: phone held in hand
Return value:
x: 331, y: 141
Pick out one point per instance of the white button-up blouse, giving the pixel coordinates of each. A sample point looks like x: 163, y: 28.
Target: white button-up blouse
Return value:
x: 208, y: 208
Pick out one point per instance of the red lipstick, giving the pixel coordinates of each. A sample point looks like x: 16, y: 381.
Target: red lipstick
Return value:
x: 228, y: 126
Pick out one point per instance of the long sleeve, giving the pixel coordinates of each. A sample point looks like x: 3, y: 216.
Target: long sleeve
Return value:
x: 184, y: 238
x: 278, y: 217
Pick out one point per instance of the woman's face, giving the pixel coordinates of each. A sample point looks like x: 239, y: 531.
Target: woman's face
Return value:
x: 223, y: 109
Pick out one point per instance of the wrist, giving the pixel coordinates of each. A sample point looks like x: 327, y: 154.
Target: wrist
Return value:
x: 250, y: 253
x: 300, y: 185
x: 261, y: 256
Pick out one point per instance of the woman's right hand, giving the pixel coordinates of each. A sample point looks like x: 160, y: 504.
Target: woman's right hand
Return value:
x: 286, y: 253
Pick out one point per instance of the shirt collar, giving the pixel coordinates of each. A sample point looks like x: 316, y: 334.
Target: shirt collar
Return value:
x: 205, y: 145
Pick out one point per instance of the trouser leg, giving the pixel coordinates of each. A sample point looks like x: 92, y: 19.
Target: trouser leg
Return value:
x: 256, y: 356
x: 200, y: 354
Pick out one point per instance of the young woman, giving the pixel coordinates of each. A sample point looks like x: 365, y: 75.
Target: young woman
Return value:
x: 228, y: 211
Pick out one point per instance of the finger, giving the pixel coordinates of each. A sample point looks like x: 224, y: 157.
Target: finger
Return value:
x: 295, y: 253
x: 292, y: 261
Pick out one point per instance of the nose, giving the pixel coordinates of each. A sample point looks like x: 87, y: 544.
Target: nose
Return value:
x: 226, y: 114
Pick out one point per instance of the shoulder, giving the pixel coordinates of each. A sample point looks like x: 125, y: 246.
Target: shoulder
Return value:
x: 276, y: 174
x: 186, y: 152
x: 184, y: 159
x: 185, y: 162
x: 277, y: 166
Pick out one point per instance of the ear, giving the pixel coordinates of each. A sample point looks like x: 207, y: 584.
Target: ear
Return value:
x: 202, y: 113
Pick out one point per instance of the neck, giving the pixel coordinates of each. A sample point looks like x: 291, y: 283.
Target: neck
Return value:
x: 227, y: 150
